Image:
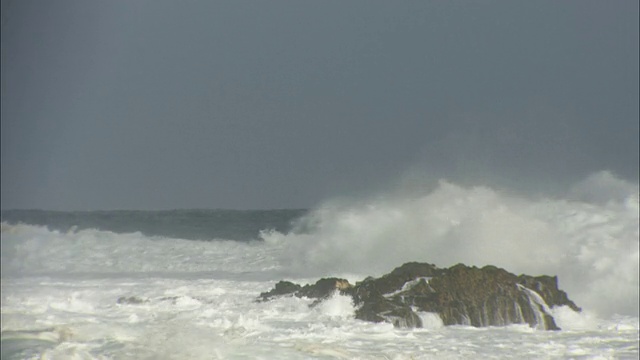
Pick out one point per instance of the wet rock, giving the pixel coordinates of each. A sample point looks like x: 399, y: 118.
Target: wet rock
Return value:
x: 381, y: 309
x: 324, y: 288
x: 461, y: 295
x: 131, y: 300
x: 480, y: 297
x: 321, y: 290
x: 281, y: 288
x: 547, y: 287
x: 397, y: 278
x: 171, y: 299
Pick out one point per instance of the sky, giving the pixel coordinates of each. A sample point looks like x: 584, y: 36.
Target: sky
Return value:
x: 282, y: 104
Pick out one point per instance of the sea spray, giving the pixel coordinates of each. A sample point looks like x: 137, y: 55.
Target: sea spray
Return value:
x: 591, y: 246
x: 198, y: 296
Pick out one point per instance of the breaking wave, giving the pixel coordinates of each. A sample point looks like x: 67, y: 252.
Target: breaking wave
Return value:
x: 588, y: 238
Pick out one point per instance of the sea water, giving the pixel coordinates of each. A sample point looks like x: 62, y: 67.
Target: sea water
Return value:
x: 90, y: 288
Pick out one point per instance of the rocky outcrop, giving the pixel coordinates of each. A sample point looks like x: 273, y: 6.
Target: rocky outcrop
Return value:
x: 281, y: 288
x: 461, y: 295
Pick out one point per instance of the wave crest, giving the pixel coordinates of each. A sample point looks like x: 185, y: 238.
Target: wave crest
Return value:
x: 591, y: 244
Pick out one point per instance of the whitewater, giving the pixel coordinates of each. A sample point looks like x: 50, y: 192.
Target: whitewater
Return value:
x: 108, y: 292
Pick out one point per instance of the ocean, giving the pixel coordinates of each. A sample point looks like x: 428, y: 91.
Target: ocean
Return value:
x: 182, y: 284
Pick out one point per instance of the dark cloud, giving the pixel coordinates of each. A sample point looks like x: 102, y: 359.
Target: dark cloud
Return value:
x: 165, y: 104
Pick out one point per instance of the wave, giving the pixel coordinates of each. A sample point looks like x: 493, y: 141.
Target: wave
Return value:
x: 36, y: 250
x: 589, y: 238
x: 241, y: 225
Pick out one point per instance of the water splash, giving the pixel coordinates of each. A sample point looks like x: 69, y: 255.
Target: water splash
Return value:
x: 538, y: 306
x: 591, y: 244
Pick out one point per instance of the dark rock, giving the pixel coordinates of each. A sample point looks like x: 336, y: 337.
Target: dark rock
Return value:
x: 172, y: 299
x: 399, y: 276
x: 324, y: 288
x: 547, y: 287
x: 481, y: 297
x: 461, y: 295
x: 379, y: 309
x: 281, y: 288
x: 131, y: 300
x: 321, y: 290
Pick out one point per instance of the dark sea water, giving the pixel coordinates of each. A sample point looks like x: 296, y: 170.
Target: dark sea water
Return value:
x: 241, y: 225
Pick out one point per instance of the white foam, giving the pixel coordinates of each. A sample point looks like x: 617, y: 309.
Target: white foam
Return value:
x: 430, y: 320
x: 337, y: 306
x: 408, y: 285
x: 568, y: 319
x: 30, y: 249
x: 227, y: 323
x: 591, y: 246
x: 198, y: 297
x: 537, y: 305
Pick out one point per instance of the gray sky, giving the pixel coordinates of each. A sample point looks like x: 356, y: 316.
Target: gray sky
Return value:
x: 255, y: 104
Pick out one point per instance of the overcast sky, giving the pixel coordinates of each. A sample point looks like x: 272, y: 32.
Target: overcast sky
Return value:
x: 277, y: 104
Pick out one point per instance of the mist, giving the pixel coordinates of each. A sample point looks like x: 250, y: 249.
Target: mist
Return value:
x: 590, y: 243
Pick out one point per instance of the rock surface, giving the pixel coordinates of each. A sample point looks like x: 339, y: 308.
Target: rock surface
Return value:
x: 131, y: 300
x: 460, y: 295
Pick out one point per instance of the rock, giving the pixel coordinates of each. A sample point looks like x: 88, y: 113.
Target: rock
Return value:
x: 461, y: 295
x: 131, y: 300
x: 379, y: 309
x: 281, y: 288
x: 480, y: 297
x: 171, y: 299
x: 400, y: 275
x: 321, y: 290
x: 324, y: 288
x: 547, y: 287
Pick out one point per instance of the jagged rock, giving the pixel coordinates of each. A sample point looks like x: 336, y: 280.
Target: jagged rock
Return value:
x: 321, y: 290
x: 480, y: 297
x: 462, y: 295
x: 547, y: 287
x: 281, y: 288
x: 378, y: 309
x: 324, y: 288
x: 400, y: 275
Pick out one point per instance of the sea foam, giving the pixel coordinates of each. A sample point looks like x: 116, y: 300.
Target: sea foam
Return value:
x: 589, y: 238
x: 61, y: 291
